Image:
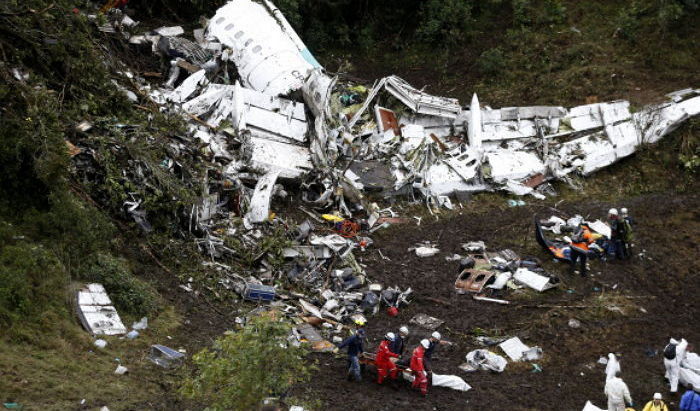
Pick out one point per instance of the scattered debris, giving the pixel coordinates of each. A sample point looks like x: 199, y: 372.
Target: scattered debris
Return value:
x: 165, y: 357
x: 484, y: 360
x: 258, y: 292
x: 574, y: 323
x: 517, y: 351
x: 121, y: 370
x: 426, y: 321
x: 142, y: 324
x: 423, y: 251
x: 535, y: 281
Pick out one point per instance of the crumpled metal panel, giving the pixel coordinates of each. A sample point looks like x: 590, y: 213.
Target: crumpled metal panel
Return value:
x: 317, y: 92
x: 264, y: 115
x: 513, y: 165
x: 523, y: 113
x: 290, y: 160
x: 441, y: 179
x: 656, y: 121
x: 259, y: 209
x: 421, y: 102
x: 598, y: 115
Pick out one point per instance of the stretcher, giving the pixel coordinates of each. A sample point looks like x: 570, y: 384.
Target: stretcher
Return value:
x: 368, y: 358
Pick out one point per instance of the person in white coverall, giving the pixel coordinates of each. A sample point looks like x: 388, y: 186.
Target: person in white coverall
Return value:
x: 613, y: 367
x: 617, y: 393
x: 673, y: 365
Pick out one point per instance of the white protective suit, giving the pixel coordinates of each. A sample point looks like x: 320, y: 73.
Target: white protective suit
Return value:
x: 612, y: 367
x: 617, y: 393
x: 673, y: 367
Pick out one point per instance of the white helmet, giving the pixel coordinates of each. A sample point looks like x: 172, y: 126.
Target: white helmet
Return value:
x: 437, y: 336
x: 623, y: 211
x: 425, y: 343
x: 403, y: 330
x: 390, y: 336
x: 613, y: 211
x: 657, y: 396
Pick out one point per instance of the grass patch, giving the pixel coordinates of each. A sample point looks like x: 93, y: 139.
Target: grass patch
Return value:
x: 70, y: 368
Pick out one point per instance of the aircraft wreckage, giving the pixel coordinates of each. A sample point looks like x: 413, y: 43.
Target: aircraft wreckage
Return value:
x: 290, y: 120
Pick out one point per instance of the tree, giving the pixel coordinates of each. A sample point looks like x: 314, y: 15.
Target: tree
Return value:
x: 247, y: 366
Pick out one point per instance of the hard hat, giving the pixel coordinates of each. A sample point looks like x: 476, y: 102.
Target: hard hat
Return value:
x: 436, y: 335
x: 403, y: 330
x: 623, y: 210
x: 390, y: 336
x: 392, y: 311
x: 360, y: 321
x: 657, y: 396
x: 613, y: 211
x: 360, y: 332
x: 425, y: 343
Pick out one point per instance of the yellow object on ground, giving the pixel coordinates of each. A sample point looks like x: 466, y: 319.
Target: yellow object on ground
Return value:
x: 332, y: 217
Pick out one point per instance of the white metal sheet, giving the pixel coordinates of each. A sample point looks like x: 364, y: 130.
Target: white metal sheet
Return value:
x: 513, y: 165
x: 259, y: 209
x: 291, y: 160
x: 514, y: 348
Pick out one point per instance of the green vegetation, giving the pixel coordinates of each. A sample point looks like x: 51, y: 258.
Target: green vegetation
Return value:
x: 32, y: 285
x: 128, y: 293
x: 247, y: 366
x: 62, y: 367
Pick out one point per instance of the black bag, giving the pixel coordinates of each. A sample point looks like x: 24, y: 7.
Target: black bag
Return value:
x: 670, y: 352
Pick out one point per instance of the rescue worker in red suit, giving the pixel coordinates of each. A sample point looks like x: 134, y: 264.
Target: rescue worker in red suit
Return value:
x: 383, y: 359
x: 418, y: 369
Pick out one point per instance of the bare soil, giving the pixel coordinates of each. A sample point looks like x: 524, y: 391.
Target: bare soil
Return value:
x: 663, y: 302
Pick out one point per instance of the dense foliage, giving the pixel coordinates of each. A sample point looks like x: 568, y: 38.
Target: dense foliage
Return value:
x: 351, y: 24
x: 247, y: 366
x: 53, y: 76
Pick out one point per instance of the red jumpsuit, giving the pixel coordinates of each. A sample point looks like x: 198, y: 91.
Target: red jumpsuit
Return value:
x: 418, y: 370
x: 383, y: 362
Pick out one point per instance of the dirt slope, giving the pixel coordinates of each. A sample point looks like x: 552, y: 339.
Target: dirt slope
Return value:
x: 664, y: 304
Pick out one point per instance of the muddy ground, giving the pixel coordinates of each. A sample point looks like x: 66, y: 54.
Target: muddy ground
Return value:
x: 660, y: 300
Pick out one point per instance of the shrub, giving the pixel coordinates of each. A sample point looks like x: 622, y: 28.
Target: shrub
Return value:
x: 247, y: 366
x: 491, y: 62
x: 128, y: 293
x: 444, y: 20
x: 32, y: 282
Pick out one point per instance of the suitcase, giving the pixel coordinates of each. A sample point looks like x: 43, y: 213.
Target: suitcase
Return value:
x: 258, y: 292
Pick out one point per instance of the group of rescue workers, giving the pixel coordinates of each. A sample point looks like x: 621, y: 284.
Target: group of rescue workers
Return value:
x: 674, y: 353
x: 618, y: 246
x: 390, y: 360
x: 389, y: 357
